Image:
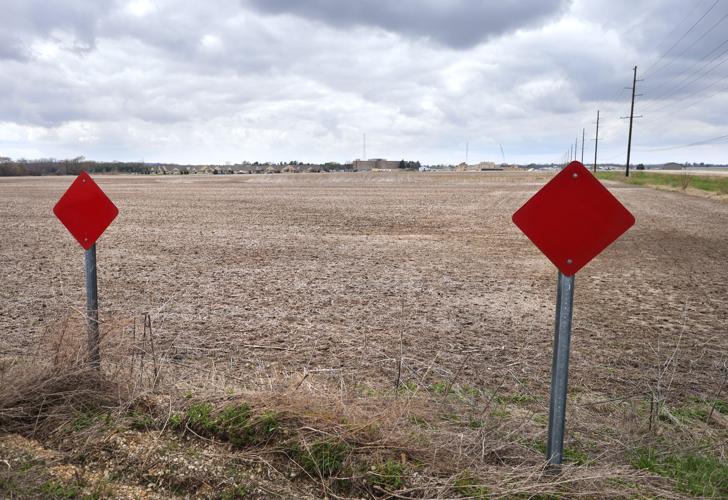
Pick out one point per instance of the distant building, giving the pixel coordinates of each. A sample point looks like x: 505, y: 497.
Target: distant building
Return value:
x: 375, y: 164
x: 483, y: 166
x: 672, y: 166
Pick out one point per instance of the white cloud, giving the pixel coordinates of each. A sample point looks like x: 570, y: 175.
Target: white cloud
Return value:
x: 182, y: 81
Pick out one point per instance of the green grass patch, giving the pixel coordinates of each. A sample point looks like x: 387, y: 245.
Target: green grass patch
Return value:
x: 200, y: 419
x: 176, y: 421
x: 85, y: 419
x: 571, y: 455
x: 235, y: 493
x: 720, y: 405
x: 470, y: 486
x: 321, y: 458
x: 687, y: 414
x: 500, y: 413
x: 407, y: 388
x: 711, y: 183
x: 694, y: 474
x: 386, y: 475
x: 55, y: 489
x: 142, y: 422
x: 234, y: 423
x: 462, y: 392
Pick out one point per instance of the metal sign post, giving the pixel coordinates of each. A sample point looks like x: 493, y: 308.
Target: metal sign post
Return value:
x: 560, y: 368
x: 571, y: 220
x: 86, y: 212
x: 92, y: 306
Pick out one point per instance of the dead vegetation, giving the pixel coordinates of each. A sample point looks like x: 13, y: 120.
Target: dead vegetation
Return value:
x: 372, y: 340
x: 68, y: 431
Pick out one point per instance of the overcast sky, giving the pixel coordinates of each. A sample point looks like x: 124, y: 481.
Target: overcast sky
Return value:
x: 231, y: 80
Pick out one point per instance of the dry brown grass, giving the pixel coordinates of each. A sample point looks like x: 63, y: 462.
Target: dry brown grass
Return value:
x: 447, y: 439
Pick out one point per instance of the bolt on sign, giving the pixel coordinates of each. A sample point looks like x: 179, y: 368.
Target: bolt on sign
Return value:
x: 572, y: 219
x: 86, y: 212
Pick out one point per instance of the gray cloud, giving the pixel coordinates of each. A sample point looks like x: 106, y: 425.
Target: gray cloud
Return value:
x: 25, y: 21
x: 456, y: 23
x: 176, y: 80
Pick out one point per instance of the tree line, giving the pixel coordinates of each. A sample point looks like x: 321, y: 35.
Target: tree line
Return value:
x: 68, y: 167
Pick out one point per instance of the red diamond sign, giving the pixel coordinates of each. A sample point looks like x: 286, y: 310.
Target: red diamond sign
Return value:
x: 573, y: 218
x: 85, y: 210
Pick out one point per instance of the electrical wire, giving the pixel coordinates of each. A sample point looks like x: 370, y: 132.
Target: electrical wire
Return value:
x: 646, y: 72
x: 689, y: 71
x: 681, y: 99
x: 705, y: 142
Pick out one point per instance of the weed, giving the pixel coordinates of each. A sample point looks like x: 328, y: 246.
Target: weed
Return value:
x: 500, y: 413
x: 407, y: 388
x: 541, y: 418
x: 577, y: 457
x: 539, y: 446
x: 462, y: 392
x: 267, y: 424
x: 467, y: 391
x: 439, y: 388
x: 175, y: 422
x: 688, y: 413
x: 234, y: 424
x: 238, y: 426
x: 475, y: 423
x: 386, y: 475
x: 468, y: 485
x: 141, y: 422
x: 85, y: 419
x: 55, y: 489
x: 321, y: 458
x: 199, y: 418
x: 721, y: 406
x: 694, y: 474
x: 235, y: 492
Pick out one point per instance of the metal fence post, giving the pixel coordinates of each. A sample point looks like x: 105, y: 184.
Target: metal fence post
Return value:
x: 560, y: 369
x: 92, y: 307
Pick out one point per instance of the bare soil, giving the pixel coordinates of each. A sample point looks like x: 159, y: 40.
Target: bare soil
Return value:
x: 327, y: 271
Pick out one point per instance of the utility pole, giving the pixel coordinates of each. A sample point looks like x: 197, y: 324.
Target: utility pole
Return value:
x: 576, y: 146
x: 631, y: 117
x: 571, y: 151
x: 596, y: 143
x: 583, y: 131
x: 364, y: 147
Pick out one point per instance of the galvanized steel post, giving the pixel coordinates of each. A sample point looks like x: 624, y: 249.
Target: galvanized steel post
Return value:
x: 92, y: 307
x: 560, y: 369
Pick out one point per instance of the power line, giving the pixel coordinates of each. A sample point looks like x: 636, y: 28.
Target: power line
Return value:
x: 682, y: 108
x: 665, y: 123
x: 689, y: 72
x: 683, y: 36
x: 705, y: 142
x: 669, y: 104
x: 706, y: 33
